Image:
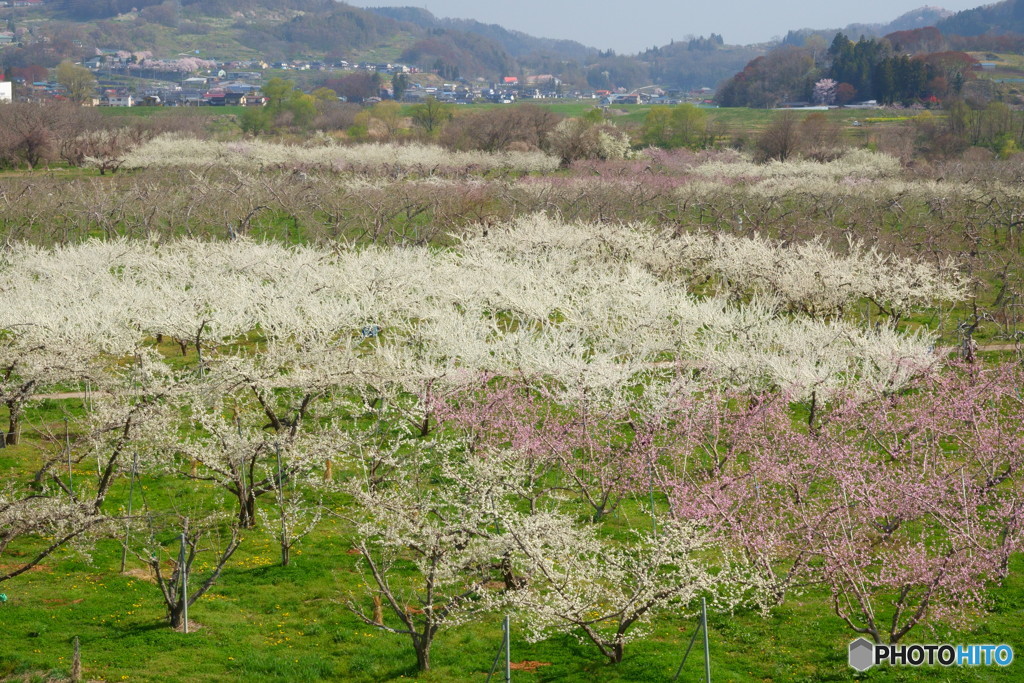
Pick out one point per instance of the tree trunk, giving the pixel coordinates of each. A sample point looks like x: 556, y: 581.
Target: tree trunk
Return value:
x: 616, y: 653
x: 512, y: 582
x: 177, y: 612
x: 286, y: 554
x: 378, y: 610
x: 246, y: 510
x: 14, y: 424
x: 423, y: 654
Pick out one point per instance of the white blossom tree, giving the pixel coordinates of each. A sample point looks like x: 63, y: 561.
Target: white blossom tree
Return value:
x: 606, y: 592
x: 445, y: 530
x: 178, y: 585
x: 26, y: 516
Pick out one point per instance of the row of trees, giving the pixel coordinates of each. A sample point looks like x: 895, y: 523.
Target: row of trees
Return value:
x: 970, y: 216
x: 48, y: 132
x: 407, y: 194
x: 520, y: 127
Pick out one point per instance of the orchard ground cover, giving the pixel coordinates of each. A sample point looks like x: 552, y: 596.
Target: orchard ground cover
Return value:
x: 384, y: 340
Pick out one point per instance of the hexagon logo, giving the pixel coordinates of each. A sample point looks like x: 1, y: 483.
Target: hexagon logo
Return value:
x: 862, y: 654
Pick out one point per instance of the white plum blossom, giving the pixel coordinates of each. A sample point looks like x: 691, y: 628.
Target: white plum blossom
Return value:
x: 172, y: 151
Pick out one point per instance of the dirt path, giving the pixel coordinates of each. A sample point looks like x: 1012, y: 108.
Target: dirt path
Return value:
x: 61, y: 396
x: 998, y: 347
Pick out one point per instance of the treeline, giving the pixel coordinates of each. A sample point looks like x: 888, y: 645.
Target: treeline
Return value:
x: 868, y: 69
x: 880, y: 70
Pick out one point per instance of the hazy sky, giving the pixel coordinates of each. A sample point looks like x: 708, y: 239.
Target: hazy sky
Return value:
x: 628, y: 26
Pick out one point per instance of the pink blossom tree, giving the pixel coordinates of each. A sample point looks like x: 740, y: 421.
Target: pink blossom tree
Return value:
x: 904, y: 507
x: 825, y: 91
x: 600, y: 450
x: 934, y: 510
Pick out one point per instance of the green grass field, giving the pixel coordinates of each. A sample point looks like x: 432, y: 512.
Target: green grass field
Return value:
x: 265, y: 622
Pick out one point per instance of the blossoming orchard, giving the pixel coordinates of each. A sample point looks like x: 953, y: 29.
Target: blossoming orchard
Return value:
x: 281, y: 412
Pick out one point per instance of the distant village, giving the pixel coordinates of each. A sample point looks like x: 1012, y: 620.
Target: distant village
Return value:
x: 127, y: 79
x: 238, y: 83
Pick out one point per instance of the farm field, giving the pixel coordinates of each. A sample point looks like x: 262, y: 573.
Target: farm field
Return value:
x: 854, y: 127
x: 387, y: 387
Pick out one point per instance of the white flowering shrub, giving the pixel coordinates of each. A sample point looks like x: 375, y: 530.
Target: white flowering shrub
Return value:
x: 854, y: 164
x: 173, y: 151
x: 587, y: 305
x: 807, y: 278
x: 444, y: 529
x: 576, y: 138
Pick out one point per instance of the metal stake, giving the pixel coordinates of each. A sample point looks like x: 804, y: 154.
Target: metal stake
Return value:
x: 508, y: 650
x: 280, y: 504
x: 506, y: 647
x: 184, y: 577
x: 702, y: 625
x: 127, y: 526
x: 707, y: 651
x: 67, y: 447
x: 693, y: 639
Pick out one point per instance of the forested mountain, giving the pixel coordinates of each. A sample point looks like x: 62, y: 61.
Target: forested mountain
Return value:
x: 698, y: 62
x: 288, y: 29
x: 454, y: 54
x: 999, y: 18
x: 682, y: 64
x: 516, y: 43
x: 334, y: 29
x: 914, y: 19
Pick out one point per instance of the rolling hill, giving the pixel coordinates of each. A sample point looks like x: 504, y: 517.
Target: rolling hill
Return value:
x: 276, y: 30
